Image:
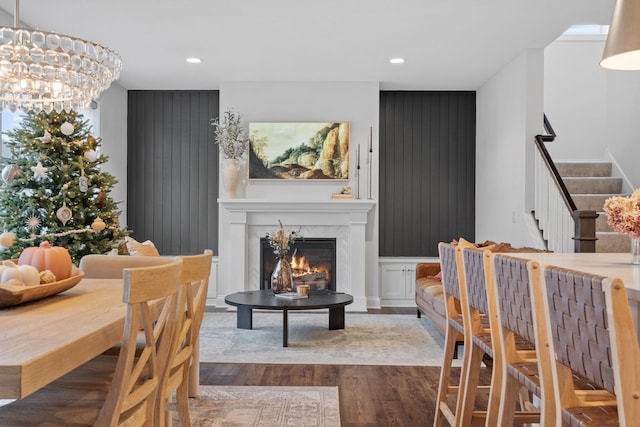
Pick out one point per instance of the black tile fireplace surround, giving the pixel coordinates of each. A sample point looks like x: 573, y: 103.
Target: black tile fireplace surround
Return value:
x: 319, y: 254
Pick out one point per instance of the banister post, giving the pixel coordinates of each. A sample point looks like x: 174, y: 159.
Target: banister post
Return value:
x: 584, y: 230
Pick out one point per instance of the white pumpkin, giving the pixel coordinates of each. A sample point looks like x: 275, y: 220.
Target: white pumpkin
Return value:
x: 27, y: 274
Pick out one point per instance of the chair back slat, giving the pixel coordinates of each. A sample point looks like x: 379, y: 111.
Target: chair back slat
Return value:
x: 475, y: 279
x: 512, y: 283
x: 449, y: 267
x: 579, y: 328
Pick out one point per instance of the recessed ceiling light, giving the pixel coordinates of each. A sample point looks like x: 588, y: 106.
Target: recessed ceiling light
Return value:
x: 396, y: 60
x: 194, y: 60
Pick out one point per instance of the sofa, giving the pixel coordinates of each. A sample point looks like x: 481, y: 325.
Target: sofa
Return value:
x: 428, y: 290
x: 429, y: 295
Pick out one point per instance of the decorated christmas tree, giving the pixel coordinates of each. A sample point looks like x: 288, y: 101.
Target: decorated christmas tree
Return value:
x: 53, y: 189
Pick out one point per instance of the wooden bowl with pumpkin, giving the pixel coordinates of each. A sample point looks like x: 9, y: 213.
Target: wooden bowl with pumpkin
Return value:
x: 39, y: 272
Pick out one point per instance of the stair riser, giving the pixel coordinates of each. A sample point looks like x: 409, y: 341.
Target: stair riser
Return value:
x: 584, y: 169
x: 593, y: 185
x: 613, y: 242
x: 590, y: 185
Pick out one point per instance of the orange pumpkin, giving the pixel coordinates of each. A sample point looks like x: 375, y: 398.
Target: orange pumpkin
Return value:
x: 47, y: 257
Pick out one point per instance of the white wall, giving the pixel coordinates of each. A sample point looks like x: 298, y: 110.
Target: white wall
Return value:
x: 509, y: 115
x: 113, y: 131
x: 623, y: 121
x: 594, y: 111
x: 355, y: 102
x: 575, y: 98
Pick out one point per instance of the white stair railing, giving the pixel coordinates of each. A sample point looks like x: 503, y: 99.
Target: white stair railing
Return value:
x: 553, y: 216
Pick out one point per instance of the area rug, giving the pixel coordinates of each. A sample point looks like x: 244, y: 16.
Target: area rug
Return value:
x: 227, y: 406
x: 368, y: 339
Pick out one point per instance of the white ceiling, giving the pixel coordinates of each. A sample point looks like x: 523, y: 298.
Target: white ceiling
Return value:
x: 448, y: 44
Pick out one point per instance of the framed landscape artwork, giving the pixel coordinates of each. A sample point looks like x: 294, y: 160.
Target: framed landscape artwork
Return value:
x: 299, y: 151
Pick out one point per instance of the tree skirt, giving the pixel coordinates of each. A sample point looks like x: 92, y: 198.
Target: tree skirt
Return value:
x: 368, y: 339
x: 264, y: 406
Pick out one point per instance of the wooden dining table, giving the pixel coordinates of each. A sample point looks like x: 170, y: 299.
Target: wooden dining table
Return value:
x: 602, y: 264
x: 42, y: 340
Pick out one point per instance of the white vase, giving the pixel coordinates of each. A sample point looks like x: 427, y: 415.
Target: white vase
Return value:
x: 231, y: 176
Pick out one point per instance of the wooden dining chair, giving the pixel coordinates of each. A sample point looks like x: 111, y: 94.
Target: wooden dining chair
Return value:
x: 128, y: 395
x: 593, y: 338
x: 175, y: 381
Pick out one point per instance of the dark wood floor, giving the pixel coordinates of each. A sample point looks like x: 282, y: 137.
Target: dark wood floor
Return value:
x: 400, y: 396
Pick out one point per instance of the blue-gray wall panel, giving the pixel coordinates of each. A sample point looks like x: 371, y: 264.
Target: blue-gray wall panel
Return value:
x: 427, y: 171
x: 172, y: 182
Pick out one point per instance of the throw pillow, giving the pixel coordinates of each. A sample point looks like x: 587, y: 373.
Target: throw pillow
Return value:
x: 146, y: 248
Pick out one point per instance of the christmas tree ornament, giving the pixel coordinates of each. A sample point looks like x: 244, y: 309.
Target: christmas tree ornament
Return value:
x: 46, y: 137
x: 83, y: 184
x: 101, y: 199
x: 91, y: 155
x: 9, y: 173
x: 33, y: 222
x: 98, y: 225
x: 66, y: 128
x: 7, y: 239
x: 64, y: 214
x: 39, y: 171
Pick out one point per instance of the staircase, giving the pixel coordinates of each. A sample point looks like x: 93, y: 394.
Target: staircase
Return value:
x: 590, y: 184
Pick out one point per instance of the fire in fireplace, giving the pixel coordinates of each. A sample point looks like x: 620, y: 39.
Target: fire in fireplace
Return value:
x: 313, y: 261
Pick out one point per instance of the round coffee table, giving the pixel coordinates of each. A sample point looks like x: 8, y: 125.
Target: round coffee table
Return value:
x: 266, y: 300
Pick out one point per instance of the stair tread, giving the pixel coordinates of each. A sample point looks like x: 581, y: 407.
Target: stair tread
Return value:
x: 590, y: 184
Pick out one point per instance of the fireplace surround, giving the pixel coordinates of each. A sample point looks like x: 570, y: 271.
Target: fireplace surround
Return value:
x: 245, y: 221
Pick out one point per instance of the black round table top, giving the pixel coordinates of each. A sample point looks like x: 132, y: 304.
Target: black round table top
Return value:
x: 266, y: 299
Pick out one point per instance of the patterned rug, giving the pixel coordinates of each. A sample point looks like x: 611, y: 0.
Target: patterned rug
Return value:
x: 227, y: 406
x: 368, y: 339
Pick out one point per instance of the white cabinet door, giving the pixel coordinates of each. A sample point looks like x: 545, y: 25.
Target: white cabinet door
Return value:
x: 410, y: 281
x: 393, y: 281
x: 398, y: 281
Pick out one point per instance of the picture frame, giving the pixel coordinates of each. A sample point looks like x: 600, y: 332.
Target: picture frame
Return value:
x: 299, y: 151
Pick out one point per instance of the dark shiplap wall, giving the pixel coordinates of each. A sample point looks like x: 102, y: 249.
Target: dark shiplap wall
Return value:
x: 427, y: 171
x: 172, y: 170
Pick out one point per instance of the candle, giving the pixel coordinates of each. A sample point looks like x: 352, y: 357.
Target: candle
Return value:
x: 358, y: 164
x: 371, y: 140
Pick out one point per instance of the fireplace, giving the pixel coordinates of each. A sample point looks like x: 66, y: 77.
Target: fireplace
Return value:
x: 313, y: 261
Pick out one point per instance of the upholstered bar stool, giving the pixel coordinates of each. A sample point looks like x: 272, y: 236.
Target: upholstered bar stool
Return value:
x: 592, y: 336
x: 447, y: 390
x: 521, y: 314
x: 482, y: 303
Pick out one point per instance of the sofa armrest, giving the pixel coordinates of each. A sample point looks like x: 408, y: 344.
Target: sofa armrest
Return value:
x: 427, y: 269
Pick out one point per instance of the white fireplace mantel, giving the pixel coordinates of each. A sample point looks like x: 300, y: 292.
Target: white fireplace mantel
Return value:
x: 244, y: 221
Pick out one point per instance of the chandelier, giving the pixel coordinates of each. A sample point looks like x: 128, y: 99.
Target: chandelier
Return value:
x: 42, y: 71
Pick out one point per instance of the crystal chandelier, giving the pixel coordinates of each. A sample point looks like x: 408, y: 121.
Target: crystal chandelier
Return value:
x: 42, y: 71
